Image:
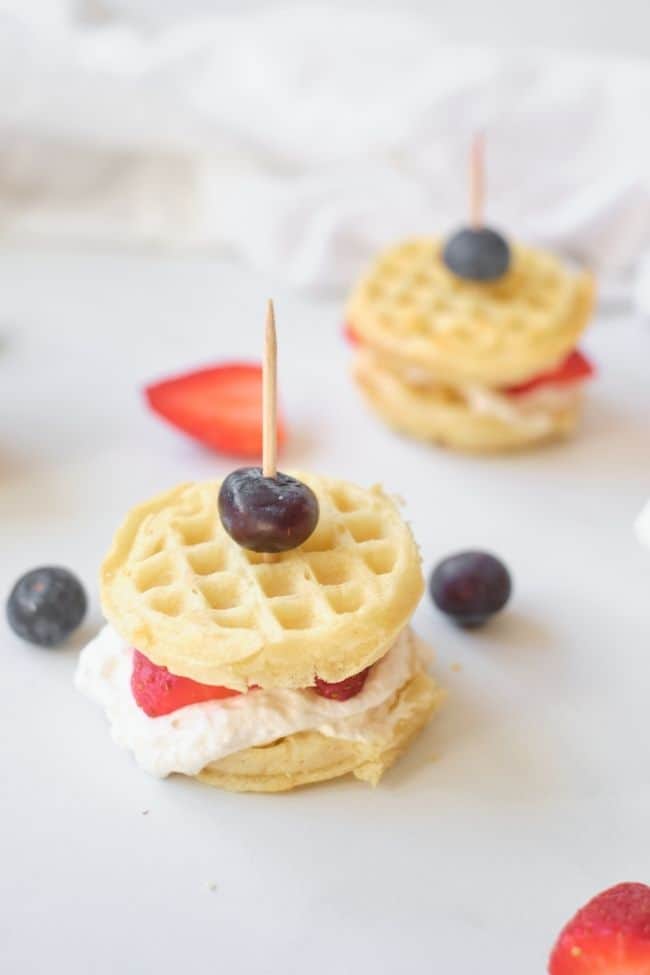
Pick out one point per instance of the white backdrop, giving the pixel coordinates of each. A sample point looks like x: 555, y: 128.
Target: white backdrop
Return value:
x: 570, y: 24
x: 299, y: 139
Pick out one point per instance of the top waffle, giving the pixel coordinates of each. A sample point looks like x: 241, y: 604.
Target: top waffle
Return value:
x: 178, y: 588
x: 412, y: 307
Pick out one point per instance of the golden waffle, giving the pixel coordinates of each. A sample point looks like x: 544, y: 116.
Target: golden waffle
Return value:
x: 441, y: 415
x: 310, y: 757
x: 410, y: 306
x: 178, y: 588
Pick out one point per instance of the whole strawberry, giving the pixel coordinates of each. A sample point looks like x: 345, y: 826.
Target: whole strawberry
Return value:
x: 608, y: 936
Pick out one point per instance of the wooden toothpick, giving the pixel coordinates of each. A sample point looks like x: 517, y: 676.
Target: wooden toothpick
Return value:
x: 270, y: 397
x: 477, y: 180
x: 270, y: 403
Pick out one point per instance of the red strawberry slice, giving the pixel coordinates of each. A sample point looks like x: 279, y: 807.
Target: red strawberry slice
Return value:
x: 158, y: 692
x: 221, y: 406
x: 342, y: 690
x: 350, y: 335
x: 575, y: 367
x: 609, y: 936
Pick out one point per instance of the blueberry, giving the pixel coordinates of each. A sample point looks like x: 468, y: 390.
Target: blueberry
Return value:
x: 267, y: 514
x: 470, y: 587
x: 46, y: 605
x: 477, y: 254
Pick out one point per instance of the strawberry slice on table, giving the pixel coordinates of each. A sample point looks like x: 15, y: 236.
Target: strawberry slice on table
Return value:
x: 221, y: 406
x: 158, y: 692
x: 574, y: 368
x: 609, y: 936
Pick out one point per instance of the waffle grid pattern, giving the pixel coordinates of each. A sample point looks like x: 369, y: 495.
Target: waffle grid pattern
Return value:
x: 334, y: 572
x: 174, y: 577
x: 411, y: 305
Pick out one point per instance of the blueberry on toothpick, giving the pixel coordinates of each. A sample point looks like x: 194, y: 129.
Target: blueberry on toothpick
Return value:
x: 262, y: 509
x: 267, y: 514
x: 477, y: 253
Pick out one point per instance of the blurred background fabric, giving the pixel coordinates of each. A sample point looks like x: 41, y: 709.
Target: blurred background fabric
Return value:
x: 298, y: 139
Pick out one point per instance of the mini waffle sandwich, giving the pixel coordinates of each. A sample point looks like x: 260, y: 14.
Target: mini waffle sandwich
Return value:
x: 471, y: 343
x: 258, y: 633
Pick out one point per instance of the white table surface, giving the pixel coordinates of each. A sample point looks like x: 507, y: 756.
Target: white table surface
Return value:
x: 527, y: 795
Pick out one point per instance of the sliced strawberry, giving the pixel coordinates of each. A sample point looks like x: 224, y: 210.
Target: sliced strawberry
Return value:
x: 575, y: 367
x: 221, y: 406
x: 350, y: 335
x: 609, y: 936
x: 158, y: 692
x: 342, y: 690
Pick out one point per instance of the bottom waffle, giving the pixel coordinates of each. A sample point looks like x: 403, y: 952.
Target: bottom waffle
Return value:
x: 309, y: 756
x: 438, y: 416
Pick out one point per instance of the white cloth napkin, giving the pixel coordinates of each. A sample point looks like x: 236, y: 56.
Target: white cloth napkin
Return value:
x: 642, y: 526
x: 301, y: 140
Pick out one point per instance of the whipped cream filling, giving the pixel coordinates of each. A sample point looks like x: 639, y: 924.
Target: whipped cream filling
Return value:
x: 195, y: 736
x: 535, y: 410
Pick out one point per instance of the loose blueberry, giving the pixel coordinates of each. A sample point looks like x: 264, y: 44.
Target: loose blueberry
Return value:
x: 46, y: 605
x: 267, y: 514
x: 477, y: 254
x: 470, y: 587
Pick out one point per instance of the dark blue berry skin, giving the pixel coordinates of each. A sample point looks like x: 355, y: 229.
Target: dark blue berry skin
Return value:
x: 477, y: 254
x: 470, y: 587
x: 46, y: 605
x: 267, y: 514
